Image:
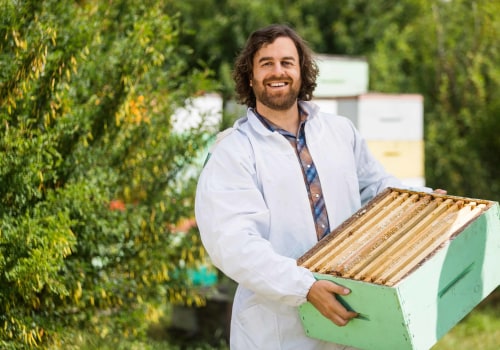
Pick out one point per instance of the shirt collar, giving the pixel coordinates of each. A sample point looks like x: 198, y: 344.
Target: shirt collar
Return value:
x: 273, y: 127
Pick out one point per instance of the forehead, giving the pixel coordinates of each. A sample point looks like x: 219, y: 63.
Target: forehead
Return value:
x: 280, y: 48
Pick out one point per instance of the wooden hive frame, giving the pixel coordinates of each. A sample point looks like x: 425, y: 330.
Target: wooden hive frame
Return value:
x: 390, y: 237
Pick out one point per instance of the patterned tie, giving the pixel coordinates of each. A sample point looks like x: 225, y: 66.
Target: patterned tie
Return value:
x: 314, y: 185
x: 311, y: 177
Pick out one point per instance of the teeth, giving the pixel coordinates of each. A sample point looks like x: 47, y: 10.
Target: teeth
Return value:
x: 277, y: 84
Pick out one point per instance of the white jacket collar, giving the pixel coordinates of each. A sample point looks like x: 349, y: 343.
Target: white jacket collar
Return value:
x: 310, y: 108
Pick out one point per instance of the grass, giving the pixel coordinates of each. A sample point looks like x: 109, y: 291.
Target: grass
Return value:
x: 478, y: 330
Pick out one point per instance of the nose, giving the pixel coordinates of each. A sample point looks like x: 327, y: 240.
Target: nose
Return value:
x: 278, y: 68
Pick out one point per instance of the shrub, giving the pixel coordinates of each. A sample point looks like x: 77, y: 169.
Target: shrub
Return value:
x: 92, y: 177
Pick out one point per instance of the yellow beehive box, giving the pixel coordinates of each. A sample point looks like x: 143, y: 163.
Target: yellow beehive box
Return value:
x: 403, y: 159
x: 416, y: 264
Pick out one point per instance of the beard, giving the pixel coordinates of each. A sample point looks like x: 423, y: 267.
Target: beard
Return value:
x: 280, y: 101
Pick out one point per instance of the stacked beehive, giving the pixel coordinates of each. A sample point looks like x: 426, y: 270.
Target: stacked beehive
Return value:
x: 392, y: 125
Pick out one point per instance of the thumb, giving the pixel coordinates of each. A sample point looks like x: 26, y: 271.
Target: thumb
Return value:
x: 336, y: 288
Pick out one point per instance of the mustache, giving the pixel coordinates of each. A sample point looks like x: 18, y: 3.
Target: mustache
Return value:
x: 274, y: 79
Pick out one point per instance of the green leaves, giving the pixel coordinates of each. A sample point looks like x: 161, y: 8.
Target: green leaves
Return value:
x: 90, y: 169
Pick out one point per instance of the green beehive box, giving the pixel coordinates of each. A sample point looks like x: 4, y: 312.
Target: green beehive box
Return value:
x: 443, y: 286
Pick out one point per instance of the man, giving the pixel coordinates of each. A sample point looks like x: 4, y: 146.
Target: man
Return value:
x: 278, y: 181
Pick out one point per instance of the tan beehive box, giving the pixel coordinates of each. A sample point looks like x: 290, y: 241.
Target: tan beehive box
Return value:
x: 416, y: 264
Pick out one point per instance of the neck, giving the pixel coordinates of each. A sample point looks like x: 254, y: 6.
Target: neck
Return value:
x: 286, y: 119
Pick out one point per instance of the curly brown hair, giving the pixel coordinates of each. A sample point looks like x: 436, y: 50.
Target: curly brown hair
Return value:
x: 243, y: 66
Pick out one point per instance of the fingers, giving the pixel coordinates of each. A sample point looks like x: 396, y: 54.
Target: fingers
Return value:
x: 322, y: 296
x: 338, y: 314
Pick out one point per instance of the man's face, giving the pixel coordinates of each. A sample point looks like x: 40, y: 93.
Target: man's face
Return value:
x: 276, y: 77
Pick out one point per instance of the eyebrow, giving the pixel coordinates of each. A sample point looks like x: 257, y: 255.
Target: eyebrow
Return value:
x: 268, y: 58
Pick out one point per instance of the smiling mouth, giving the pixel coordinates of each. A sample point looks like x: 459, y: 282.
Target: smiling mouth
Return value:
x: 276, y: 85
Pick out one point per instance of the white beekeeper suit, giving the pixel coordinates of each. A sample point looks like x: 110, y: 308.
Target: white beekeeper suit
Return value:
x: 254, y: 217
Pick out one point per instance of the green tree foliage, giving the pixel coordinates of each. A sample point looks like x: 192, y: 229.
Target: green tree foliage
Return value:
x: 93, y: 178
x: 446, y: 50
x: 464, y: 108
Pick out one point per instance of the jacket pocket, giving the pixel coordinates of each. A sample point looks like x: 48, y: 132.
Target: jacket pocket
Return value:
x: 256, y: 327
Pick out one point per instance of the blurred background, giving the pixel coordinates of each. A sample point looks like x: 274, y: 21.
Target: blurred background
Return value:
x: 107, y: 112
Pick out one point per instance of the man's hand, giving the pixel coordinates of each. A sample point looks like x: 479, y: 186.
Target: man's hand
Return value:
x: 322, y: 296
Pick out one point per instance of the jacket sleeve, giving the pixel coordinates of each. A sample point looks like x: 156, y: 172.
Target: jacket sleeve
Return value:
x: 233, y: 220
